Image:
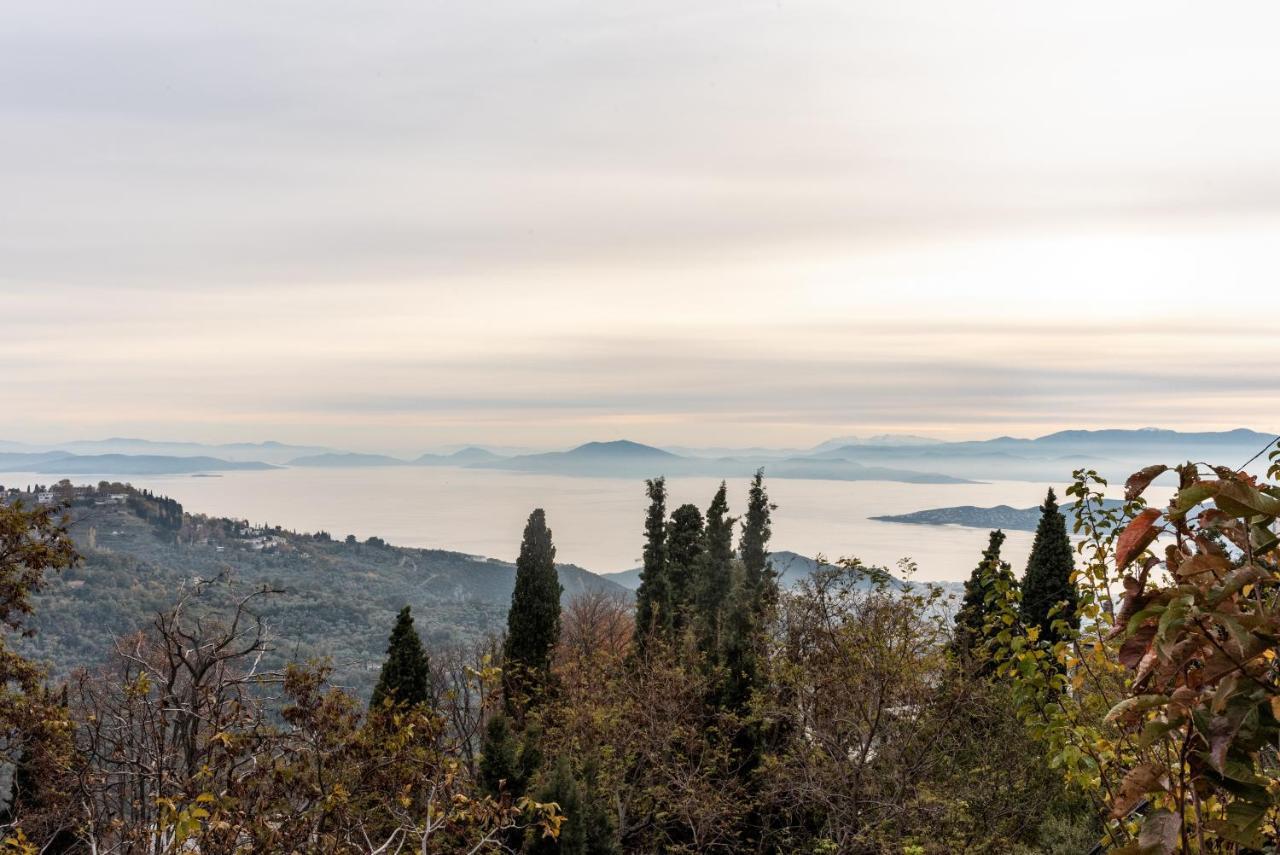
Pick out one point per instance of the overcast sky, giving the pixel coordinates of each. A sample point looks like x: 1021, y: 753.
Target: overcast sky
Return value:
x: 392, y: 226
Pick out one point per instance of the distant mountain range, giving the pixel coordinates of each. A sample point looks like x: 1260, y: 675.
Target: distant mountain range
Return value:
x: 889, y: 457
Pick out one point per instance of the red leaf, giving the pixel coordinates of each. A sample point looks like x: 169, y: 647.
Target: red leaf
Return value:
x: 1140, y: 480
x: 1137, y: 536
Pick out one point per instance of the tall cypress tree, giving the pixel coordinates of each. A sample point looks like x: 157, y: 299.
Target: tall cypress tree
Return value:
x: 405, y: 678
x: 969, y: 642
x: 653, y: 598
x: 715, y: 583
x: 758, y: 574
x: 754, y: 590
x: 1047, y: 582
x: 684, y: 562
x: 533, y: 621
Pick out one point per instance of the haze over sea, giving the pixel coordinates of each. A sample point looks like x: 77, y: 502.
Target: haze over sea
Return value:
x: 598, y: 522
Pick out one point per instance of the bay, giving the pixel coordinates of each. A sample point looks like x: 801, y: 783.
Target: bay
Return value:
x: 598, y: 522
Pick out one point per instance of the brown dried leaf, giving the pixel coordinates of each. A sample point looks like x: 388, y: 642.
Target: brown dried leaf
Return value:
x: 1135, y: 646
x: 1147, y: 778
x: 1137, y: 536
x: 1159, y: 835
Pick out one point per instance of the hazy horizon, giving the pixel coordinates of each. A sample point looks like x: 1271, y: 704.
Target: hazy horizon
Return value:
x: 448, y: 447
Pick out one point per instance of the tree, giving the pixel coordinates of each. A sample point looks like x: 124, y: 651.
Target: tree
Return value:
x: 500, y: 758
x: 714, y: 584
x: 653, y: 597
x: 972, y: 621
x: 1048, y: 590
x: 406, y: 674
x: 758, y: 577
x: 533, y: 621
x: 684, y: 562
x: 34, y: 736
x: 562, y: 789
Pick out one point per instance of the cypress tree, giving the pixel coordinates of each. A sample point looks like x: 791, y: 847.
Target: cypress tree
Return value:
x: 714, y: 585
x: 969, y: 642
x: 1047, y: 582
x: 405, y: 678
x: 684, y: 561
x: 533, y: 621
x: 758, y: 574
x: 754, y: 590
x: 653, y: 597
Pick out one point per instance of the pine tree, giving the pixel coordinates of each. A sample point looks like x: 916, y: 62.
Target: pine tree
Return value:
x: 714, y: 585
x: 533, y: 621
x: 969, y: 642
x: 684, y: 561
x: 405, y: 678
x: 653, y: 598
x: 1047, y: 582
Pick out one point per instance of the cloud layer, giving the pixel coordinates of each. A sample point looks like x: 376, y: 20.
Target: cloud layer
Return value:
x: 392, y: 225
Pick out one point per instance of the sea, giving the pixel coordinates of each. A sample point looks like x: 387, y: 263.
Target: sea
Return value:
x: 597, y: 523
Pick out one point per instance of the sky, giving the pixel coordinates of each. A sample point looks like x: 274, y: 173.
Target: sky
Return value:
x: 393, y: 226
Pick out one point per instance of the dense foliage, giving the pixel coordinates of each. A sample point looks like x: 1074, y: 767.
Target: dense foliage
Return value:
x: 1126, y: 699
x: 405, y: 677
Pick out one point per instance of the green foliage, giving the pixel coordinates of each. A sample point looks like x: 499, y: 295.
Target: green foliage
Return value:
x: 654, y: 598
x: 560, y: 789
x: 1049, y: 597
x: 685, y: 561
x: 405, y: 678
x: 714, y: 584
x: 758, y: 577
x: 533, y: 622
x: 500, y: 769
x: 971, y: 642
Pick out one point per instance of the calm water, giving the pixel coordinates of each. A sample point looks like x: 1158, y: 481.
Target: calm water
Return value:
x: 597, y: 522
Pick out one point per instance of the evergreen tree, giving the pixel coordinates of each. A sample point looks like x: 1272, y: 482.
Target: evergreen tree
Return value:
x: 1047, y: 582
x: 684, y: 561
x: 715, y: 583
x: 533, y: 621
x: 500, y: 759
x: 758, y: 577
x: 754, y: 590
x: 598, y: 821
x: 406, y: 674
x: 561, y: 788
x: 653, y: 597
x: 969, y: 642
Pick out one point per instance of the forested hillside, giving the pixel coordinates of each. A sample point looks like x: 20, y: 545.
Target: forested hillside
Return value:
x: 334, y: 598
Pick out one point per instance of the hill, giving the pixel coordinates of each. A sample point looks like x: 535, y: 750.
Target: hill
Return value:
x: 339, y: 598
x: 1000, y: 516
x: 66, y: 464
